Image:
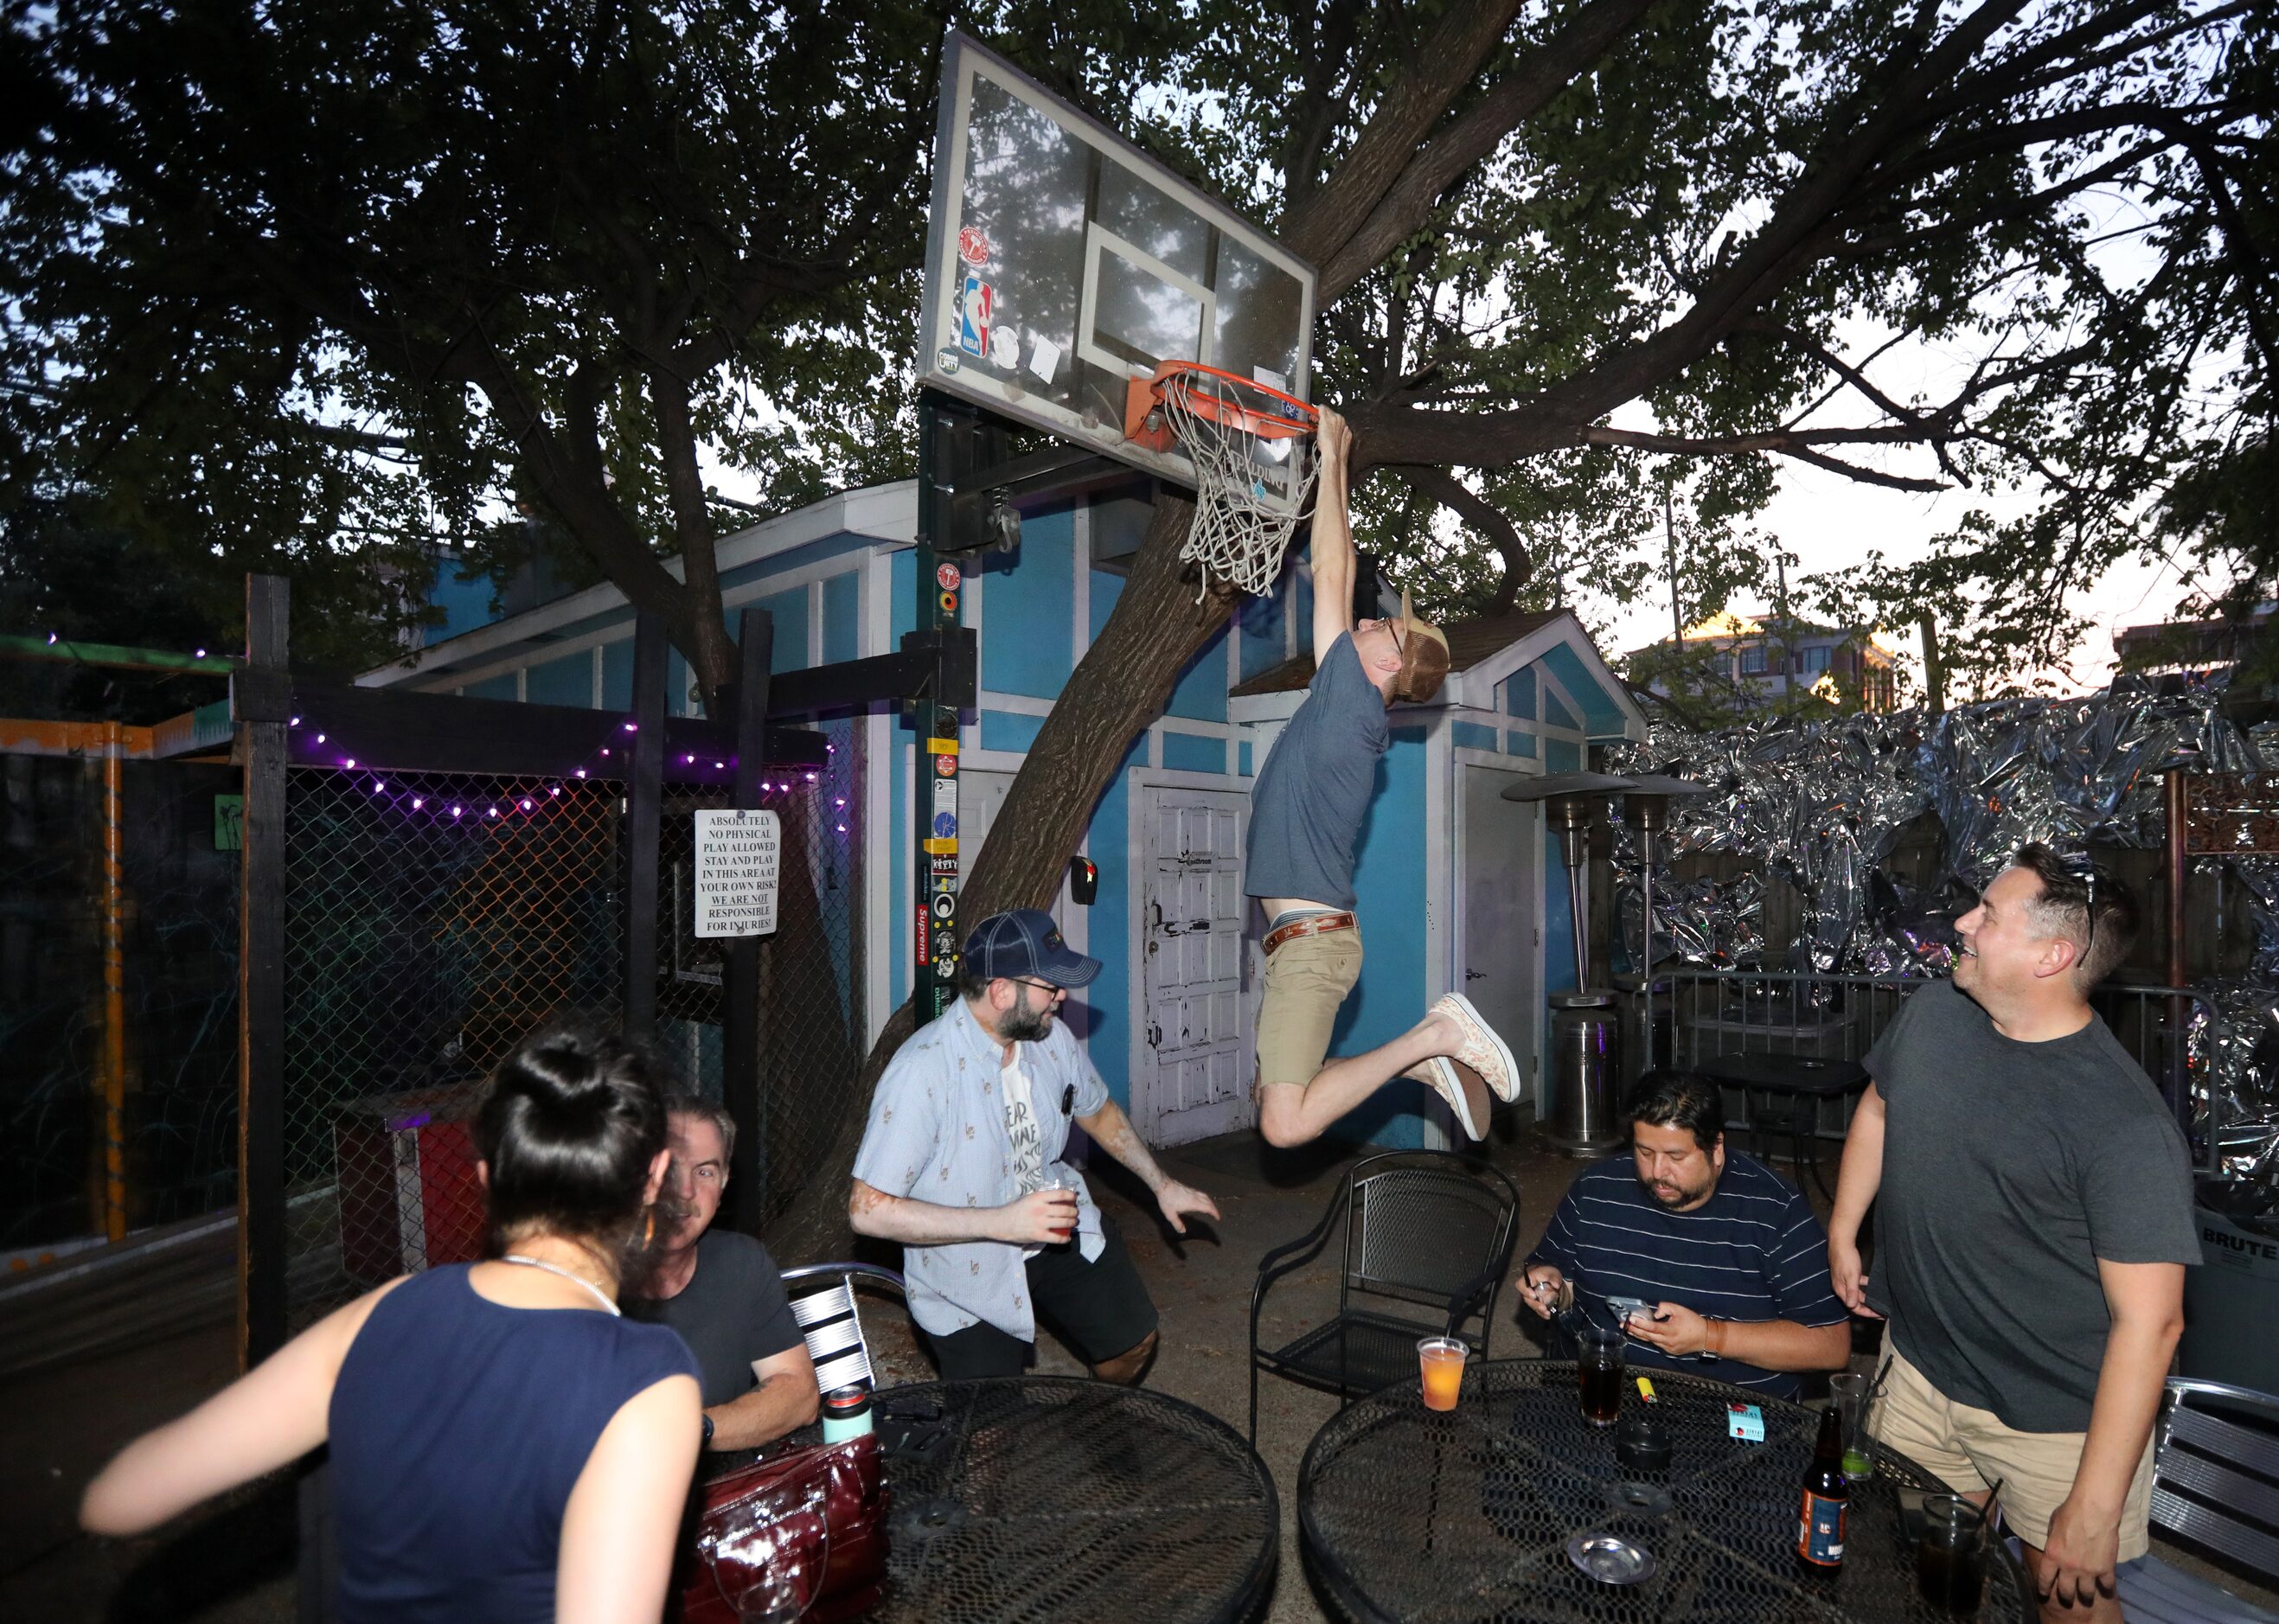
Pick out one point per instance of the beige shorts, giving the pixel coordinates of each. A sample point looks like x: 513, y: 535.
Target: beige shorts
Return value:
x: 1307, y: 979
x: 1970, y: 1449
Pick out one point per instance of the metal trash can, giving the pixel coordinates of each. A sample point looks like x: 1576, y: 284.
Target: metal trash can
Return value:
x: 1586, y: 1052
x: 2231, y: 1301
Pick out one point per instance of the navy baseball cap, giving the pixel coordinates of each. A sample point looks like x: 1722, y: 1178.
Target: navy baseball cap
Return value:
x: 1024, y: 941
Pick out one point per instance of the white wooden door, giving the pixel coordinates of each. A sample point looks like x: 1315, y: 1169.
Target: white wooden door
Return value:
x: 1499, y: 891
x: 1193, y: 1079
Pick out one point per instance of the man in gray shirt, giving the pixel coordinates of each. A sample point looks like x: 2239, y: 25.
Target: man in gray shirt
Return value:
x: 2033, y: 1223
x: 1306, y: 813
x: 961, y: 1163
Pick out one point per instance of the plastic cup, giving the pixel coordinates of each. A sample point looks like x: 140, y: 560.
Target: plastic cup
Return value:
x: 1849, y: 1392
x: 1950, y: 1566
x: 1071, y: 1183
x: 1598, y: 1365
x: 1442, y: 1361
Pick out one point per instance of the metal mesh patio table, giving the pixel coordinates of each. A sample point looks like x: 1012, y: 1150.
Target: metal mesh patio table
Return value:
x: 1408, y: 1513
x: 1059, y: 1500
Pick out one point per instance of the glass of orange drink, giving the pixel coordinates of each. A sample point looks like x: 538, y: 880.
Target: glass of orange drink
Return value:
x: 1442, y: 1359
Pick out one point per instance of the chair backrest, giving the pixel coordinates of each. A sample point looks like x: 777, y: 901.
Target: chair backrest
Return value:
x: 830, y: 1322
x: 2215, y: 1472
x: 1421, y: 1225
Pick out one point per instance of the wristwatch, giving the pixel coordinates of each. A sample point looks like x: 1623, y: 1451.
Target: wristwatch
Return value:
x: 708, y: 1431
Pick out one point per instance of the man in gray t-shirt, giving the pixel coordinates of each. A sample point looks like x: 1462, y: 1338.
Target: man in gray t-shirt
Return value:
x: 1306, y: 813
x: 2033, y: 1220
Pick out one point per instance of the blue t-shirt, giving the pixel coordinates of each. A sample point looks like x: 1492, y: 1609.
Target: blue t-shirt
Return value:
x: 1307, y: 808
x: 1751, y: 1253
x: 459, y: 1426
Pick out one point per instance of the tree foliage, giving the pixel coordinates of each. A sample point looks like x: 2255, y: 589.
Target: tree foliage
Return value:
x: 356, y: 275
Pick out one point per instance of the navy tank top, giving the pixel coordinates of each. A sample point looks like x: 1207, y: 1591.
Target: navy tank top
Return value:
x: 459, y: 1426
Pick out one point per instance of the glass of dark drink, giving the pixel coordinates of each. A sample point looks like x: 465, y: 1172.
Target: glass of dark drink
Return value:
x: 1950, y: 1559
x: 1598, y: 1359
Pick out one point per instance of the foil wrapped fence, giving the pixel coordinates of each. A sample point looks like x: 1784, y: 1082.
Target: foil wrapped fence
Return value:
x: 1824, y: 804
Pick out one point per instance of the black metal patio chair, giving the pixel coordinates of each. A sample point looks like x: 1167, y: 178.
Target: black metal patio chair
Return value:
x: 2215, y: 1486
x: 1427, y: 1228
x: 831, y: 1323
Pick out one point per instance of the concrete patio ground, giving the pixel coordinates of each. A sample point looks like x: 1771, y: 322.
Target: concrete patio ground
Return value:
x: 232, y: 1565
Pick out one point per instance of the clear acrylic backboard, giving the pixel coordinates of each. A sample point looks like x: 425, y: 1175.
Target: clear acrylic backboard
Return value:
x: 1061, y: 262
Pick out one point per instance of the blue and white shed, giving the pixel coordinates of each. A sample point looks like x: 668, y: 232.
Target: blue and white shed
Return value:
x: 1454, y: 882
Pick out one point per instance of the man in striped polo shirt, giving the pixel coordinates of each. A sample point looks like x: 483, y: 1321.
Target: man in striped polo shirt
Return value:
x: 1729, y: 1259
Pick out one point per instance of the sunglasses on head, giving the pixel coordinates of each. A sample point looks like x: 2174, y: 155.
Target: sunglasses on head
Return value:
x: 2079, y: 866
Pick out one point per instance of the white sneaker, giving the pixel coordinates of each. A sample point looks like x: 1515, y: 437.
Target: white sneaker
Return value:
x: 1460, y: 1086
x: 1481, y: 1049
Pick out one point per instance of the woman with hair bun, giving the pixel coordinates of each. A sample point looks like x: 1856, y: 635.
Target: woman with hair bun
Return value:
x: 503, y: 1446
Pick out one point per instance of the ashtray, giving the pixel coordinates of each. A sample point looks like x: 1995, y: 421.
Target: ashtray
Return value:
x: 1610, y: 1560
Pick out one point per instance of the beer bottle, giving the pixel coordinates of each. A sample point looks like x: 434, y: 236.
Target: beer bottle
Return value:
x: 1826, y: 1498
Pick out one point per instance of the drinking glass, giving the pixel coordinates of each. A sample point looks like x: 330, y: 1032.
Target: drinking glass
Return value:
x: 1060, y: 1178
x: 1441, y: 1362
x: 769, y: 1564
x: 1598, y: 1355
x: 1853, y: 1395
x: 1950, y: 1565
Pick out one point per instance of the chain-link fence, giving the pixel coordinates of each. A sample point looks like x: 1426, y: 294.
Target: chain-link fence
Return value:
x: 177, y: 1105
x: 433, y: 920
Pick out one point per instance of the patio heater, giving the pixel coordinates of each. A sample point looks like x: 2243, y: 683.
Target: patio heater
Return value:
x: 1646, y: 808
x: 1585, y: 1029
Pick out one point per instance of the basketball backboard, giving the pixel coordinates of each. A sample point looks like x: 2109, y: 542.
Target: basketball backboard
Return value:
x: 1061, y: 262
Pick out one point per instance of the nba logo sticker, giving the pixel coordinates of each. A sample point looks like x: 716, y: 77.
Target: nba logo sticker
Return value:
x: 973, y: 309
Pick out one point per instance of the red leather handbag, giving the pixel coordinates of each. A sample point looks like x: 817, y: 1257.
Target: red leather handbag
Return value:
x: 855, y: 1503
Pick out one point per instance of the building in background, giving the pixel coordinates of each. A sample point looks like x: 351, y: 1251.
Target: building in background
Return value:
x: 1732, y: 665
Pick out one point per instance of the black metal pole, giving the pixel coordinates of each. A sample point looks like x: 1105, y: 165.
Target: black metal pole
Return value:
x: 645, y: 806
x: 743, y: 1088
x: 260, y: 696
x: 933, y: 786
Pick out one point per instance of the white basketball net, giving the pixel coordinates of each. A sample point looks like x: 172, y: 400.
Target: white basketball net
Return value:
x: 1249, y: 491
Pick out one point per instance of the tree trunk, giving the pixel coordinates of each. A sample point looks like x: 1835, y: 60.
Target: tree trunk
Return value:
x: 1120, y: 687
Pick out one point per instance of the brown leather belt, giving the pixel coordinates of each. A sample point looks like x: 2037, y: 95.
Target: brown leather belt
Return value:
x: 1318, y: 925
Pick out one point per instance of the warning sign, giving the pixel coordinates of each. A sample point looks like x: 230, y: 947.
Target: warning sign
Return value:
x: 736, y: 857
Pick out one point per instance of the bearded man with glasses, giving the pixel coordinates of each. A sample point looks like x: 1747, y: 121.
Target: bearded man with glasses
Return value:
x: 2033, y: 1224
x: 961, y: 1163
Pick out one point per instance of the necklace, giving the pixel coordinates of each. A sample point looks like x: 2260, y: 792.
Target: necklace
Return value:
x: 600, y: 1295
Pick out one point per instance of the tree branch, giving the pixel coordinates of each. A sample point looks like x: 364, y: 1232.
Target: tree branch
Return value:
x: 1438, y: 484
x: 1541, y: 75
x: 1445, y: 63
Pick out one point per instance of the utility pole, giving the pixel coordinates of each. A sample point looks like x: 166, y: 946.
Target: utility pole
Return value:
x: 1670, y: 547
x: 1788, y: 677
x: 1933, y: 665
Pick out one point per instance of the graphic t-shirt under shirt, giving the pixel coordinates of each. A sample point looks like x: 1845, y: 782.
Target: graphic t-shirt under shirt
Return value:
x: 1307, y: 808
x: 1021, y: 1129
x: 2010, y: 1168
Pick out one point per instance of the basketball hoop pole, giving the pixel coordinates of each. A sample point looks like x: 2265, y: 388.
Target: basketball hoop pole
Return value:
x: 935, y: 936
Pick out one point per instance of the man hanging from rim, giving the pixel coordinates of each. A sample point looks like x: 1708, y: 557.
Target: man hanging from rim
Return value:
x: 1306, y: 815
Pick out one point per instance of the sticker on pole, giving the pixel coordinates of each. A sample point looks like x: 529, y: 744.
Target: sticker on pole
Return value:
x: 737, y: 854
x: 972, y: 245
x: 946, y: 577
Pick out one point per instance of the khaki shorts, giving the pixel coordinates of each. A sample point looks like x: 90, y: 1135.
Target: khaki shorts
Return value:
x: 1970, y: 1449
x: 1307, y: 979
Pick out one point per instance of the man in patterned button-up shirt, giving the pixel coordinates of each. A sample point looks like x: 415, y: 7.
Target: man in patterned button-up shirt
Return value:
x: 961, y: 1163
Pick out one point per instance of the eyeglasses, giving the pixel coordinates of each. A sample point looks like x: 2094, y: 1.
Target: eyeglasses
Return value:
x: 2078, y: 866
x: 1046, y: 987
